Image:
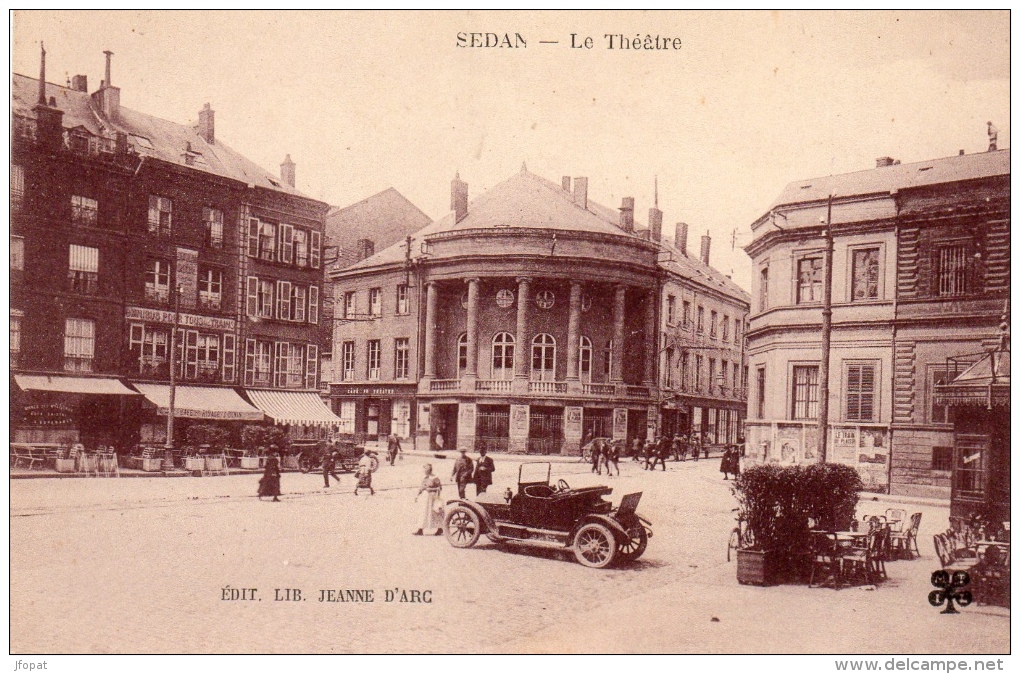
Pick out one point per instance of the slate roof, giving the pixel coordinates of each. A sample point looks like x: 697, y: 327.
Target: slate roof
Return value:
x: 149, y: 136
x: 528, y: 200
x: 897, y: 177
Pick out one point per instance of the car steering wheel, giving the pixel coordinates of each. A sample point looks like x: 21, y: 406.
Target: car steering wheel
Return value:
x: 562, y: 485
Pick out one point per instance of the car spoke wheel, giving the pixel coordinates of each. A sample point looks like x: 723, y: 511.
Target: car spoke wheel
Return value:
x: 462, y: 527
x: 733, y: 545
x: 634, y: 546
x: 595, y: 546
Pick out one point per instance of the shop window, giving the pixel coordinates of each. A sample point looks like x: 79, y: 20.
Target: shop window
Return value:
x: 805, y: 392
x: 83, y: 269
x: 84, y: 211
x: 970, y: 470
x: 160, y: 215
x: 79, y: 344
x: 347, y: 410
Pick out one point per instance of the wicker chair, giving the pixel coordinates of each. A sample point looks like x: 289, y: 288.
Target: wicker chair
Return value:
x: 905, y: 542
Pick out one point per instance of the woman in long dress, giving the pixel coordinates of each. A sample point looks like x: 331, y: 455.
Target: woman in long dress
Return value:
x: 269, y: 485
x: 432, y: 518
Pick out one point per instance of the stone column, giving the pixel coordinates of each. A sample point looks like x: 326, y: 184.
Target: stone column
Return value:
x: 472, y: 329
x: 431, y: 300
x: 574, y: 332
x: 522, y: 350
x: 651, y: 339
x: 619, y: 311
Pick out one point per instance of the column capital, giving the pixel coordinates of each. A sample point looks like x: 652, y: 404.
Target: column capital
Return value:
x: 524, y: 279
x: 576, y: 283
x: 472, y: 279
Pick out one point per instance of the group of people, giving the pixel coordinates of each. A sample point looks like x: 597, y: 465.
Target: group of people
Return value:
x: 465, y: 471
x: 605, y: 454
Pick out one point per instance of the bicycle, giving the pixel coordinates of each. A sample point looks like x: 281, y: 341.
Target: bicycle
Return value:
x: 740, y: 537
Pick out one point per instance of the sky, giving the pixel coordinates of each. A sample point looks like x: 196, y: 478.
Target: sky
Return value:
x: 364, y: 101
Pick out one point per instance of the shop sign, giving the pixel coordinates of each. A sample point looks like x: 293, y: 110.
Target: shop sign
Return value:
x: 187, y: 276
x: 48, y: 415
x: 365, y: 391
x: 184, y: 320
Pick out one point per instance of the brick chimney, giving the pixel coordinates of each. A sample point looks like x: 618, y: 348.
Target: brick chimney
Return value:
x: 207, y: 129
x: 680, y: 237
x: 80, y: 83
x: 655, y: 223
x: 458, y: 198
x: 627, y: 215
x: 288, y: 171
x: 565, y: 183
x: 107, y: 99
x: 49, y: 118
x: 581, y: 192
x: 706, y: 246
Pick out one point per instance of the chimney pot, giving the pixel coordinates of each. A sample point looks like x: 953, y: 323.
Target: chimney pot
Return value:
x: 706, y: 246
x: 565, y: 183
x: 680, y: 238
x: 581, y: 192
x: 207, y: 128
x: 961, y: 153
x: 655, y: 223
x: 108, y: 82
x: 288, y: 170
x: 627, y: 215
x: 885, y: 161
x: 458, y: 198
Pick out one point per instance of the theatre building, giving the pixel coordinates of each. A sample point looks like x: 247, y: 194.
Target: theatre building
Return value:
x: 130, y: 234
x: 520, y: 322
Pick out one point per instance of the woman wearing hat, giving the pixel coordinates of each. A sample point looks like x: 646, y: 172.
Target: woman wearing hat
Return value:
x: 269, y: 485
x: 366, y: 465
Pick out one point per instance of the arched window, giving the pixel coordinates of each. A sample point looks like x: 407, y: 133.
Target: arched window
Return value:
x: 462, y: 346
x: 608, y: 359
x: 543, y: 358
x: 503, y: 356
x: 584, y: 357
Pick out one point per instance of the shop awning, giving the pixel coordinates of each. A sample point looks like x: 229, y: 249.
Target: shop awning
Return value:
x: 200, y: 402
x: 303, y: 408
x: 67, y: 384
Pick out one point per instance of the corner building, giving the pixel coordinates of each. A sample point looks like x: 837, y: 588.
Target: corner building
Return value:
x: 522, y: 323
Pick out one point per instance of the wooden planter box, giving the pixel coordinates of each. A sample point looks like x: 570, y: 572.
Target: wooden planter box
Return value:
x: 755, y: 567
x: 215, y: 463
x: 64, y: 465
x: 152, y: 465
x: 194, y: 463
x: 250, y: 462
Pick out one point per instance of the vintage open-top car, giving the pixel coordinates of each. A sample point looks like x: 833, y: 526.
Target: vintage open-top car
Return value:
x: 554, y: 516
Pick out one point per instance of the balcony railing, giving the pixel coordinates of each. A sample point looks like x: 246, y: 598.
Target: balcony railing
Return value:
x: 78, y: 363
x: 598, y: 389
x: 641, y: 391
x: 493, y: 385
x: 444, y: 385
x: 157, y: 293
x: 547, y: 387
x: 209, y: 301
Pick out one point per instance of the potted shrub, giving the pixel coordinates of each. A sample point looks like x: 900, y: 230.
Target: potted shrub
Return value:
x: 62, y: 463
x: 778, y: 504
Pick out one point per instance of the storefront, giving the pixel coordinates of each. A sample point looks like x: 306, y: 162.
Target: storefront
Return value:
x: 192, y: 404
x: 374, y: 411
x: 978, y: 395
x: 64, y: 409
x: 302, y: 412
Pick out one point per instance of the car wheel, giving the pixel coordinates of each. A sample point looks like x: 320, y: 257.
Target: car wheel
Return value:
x: 634, y: 546
x: 462, y: 527
x: 595, y: 546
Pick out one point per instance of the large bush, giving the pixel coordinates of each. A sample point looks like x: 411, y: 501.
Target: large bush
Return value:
x: 779, y: 502
x: 256, y: 437
x: 208, y: 434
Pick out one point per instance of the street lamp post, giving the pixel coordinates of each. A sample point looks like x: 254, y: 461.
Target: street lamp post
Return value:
x: 168, y: 447
x: 823, y: 369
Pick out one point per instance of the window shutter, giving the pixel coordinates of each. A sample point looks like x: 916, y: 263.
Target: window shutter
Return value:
x: 283, y: 300
x: 229, y: 346
x: 867, y: 392
x: 286, y: 243
x: 315, y: 252
x: 312, y: 369
x: 252, y: 308
x: 249, y: 362
x: 253, y: 237
x: 313, y: 304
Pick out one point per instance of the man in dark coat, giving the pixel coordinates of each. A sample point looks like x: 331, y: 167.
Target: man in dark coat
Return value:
x: 596, y: 456
x: 392, y: 448
x: 484, y: 468
x: 463, y: 471
x: 329, y: 468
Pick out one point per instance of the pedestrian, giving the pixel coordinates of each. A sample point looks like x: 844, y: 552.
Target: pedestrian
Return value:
x: 596, y: 456
x: 704, y: 451
x: 392, y: 448
x: 484, y: 468
x: 269, y: 484
x: 661, y: 453
x: 432, y: 518
x: 463, y: 471
x: 696, y: 447
x: 678, y: 453
x: 639, y: 449
x: 329, y: 460
x: 613, y: 456
x: 366, y: 465
x: 651, y: 449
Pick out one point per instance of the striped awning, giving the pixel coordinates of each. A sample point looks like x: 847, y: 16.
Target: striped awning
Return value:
x: 199, y: 402
x: 300, y: 408
x: 67, y: 384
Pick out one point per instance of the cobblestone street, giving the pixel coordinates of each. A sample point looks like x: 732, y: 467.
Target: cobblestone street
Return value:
x: 140, y: 565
